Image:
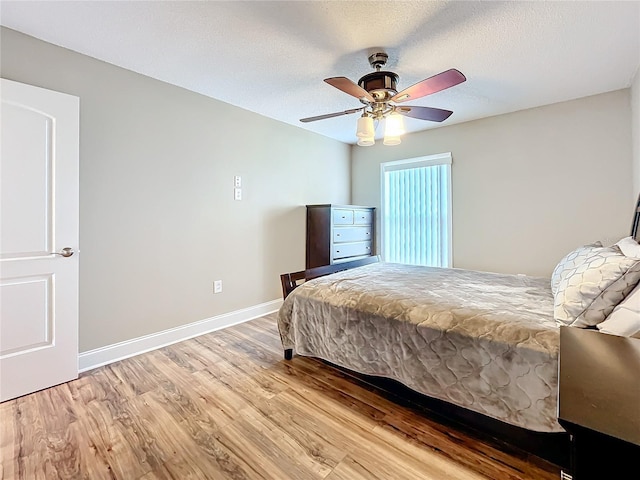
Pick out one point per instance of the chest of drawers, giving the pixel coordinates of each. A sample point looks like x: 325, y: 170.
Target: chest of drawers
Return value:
x: 339, y: 233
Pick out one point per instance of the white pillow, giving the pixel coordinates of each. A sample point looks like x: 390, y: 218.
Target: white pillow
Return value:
x: 570, y: 261
x: 589, y: 292
x: 629, y: 247
x: 625, y: 318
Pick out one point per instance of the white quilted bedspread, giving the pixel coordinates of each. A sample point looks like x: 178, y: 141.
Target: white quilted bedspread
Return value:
x: 485, y: 341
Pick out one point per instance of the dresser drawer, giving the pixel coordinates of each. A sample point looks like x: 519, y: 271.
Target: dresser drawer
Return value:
x: 342, y: 217
x: 363, y: 217
x: 352, y: 234
x: 343, y: 250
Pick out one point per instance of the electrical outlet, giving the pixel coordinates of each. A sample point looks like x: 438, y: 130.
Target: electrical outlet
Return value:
x: 237, y: 181
x: 237, y: 194
x: 217, y: 286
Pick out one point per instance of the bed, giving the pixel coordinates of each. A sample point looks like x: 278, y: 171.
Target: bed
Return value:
x: 487, y: 353
x: 485, y: 342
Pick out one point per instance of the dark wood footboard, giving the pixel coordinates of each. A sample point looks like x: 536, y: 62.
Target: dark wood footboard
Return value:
x: 291, y: 280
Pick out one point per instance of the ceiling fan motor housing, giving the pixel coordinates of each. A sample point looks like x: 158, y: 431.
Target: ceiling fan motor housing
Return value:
x: 382, y: 85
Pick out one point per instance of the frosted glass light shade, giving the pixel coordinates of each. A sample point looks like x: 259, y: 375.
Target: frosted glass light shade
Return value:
x: 394, y: 126
x: 366, y: 141
x: 365, y: 128
x: 391, y: 140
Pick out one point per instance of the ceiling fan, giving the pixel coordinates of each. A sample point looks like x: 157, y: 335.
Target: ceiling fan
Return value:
x: 379, y: 94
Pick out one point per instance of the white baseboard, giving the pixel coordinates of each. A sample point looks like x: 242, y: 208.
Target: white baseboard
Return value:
x: 118, y: 351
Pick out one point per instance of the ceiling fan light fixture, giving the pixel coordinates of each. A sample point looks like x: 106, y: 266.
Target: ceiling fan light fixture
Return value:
x: 391, y: 140
x: 365, y: 127
x: 394, y: 126
x: 366, y: 141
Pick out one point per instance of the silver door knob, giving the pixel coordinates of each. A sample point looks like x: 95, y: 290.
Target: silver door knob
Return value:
x: 65, y: 252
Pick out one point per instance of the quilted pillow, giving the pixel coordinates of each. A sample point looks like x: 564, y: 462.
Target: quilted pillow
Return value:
x: 588, y: 293
x: 625, y: 318
x: 570, y: 261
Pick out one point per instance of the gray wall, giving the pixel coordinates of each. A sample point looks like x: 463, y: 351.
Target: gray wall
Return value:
x: 158, y: 222
x: 529, y: 186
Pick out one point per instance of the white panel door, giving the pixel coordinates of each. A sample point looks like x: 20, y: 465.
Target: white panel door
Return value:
x: 39, y: 131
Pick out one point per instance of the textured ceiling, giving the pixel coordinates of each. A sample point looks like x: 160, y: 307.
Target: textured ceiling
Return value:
x: 271, y: 57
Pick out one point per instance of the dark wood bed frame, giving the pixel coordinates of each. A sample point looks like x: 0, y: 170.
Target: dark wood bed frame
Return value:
x: 553, y: 447
x: 635, y: 233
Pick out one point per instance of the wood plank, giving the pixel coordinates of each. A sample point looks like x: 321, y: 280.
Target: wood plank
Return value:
x: 311, y: 460
x: 92, y: 463
x: 269, y: 459
x: 10, y: 439
x: 176, y: 448
x: 323, y: 445
x: 196, y: 394
x: 30, y: 457
x: 350, y: 469
x: 112, y: 437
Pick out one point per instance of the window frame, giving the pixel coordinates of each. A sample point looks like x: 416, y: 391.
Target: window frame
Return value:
x: 416, y: 162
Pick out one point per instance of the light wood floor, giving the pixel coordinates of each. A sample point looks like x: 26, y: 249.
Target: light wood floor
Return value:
x: 227, y: 406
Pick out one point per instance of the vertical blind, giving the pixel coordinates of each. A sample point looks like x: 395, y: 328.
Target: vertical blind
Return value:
x: 416, y: 227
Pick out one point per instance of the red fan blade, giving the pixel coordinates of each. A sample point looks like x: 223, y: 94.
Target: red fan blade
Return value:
x: 425, y: 113
x: 330, y: 115
x: 347, y: 86
x: 430, y: 85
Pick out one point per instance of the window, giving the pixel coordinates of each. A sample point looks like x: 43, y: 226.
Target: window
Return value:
x: 416, y: 211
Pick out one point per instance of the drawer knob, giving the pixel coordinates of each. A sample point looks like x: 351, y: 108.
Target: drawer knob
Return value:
x: 337, y: 234
x: 368, y: 248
